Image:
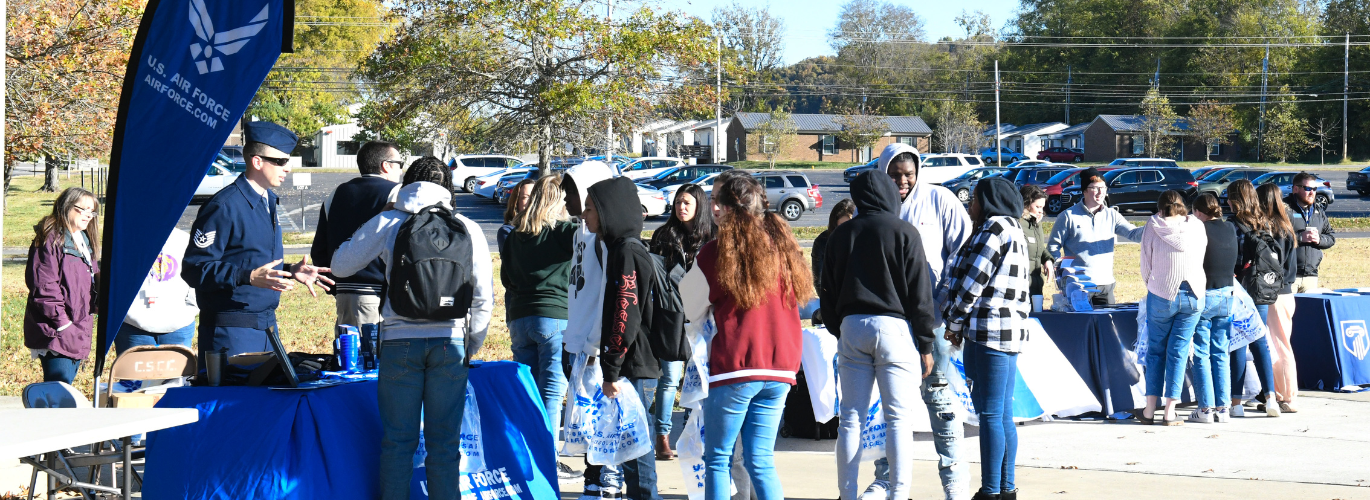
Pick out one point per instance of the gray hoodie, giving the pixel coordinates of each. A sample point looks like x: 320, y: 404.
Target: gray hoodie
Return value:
x: 1090, y: 239
x: 376, y: 238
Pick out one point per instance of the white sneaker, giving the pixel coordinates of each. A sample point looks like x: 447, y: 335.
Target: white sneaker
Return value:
x: 878, y: 490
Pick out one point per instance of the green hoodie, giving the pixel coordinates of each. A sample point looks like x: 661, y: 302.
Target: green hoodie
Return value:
x: 535, y: 270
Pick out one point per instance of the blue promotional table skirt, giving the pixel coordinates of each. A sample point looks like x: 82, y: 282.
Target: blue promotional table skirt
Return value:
x: 258, y: 443
x: 1097, y: 343
x: 1331, y: 340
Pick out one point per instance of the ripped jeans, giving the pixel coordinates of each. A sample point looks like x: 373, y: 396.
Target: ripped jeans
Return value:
x: 948, y: 430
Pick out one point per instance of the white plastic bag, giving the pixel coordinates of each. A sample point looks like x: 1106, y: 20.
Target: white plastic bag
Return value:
x: 472, y: 445
x: 586, y: 392
x: 873, y: 431
x: 690, y: 448
x: 694, y: 385
x: 1139, y: 347
x: 620, y: 431
x: 1247, y: 323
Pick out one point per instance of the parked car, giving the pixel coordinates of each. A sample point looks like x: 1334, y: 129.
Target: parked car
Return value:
x: 221, y: 173
x: 1139, y: 188
x: 850, y: 173
x: 680, y: 175
x: 486, y: 184
x: 964, y: 185
x: 1216, y: 181
x: 1359, y: 181
x: 653, y: 202
x: 705, y: 182
x: 1285, y: 180
x: 649, y: 166
x: 938, y: 168
x: 234, y: 153
x: 1202, y: 172
x: 1038, y: 174
x: 1008, y: 155
x: 1025, y: 163
x: 1145, y: 162
x: 1062, y: 155
x: 790, y: 193
x: 467, y: 168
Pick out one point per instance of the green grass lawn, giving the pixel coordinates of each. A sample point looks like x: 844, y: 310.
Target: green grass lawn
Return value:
x: 793, y: 165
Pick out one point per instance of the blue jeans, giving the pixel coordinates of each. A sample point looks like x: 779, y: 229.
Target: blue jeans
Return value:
x: 1260, y: 353
x: 536, y: 342
x: 130, y: 336
x: 664, y: 401
x: 1169, y: 328
x: 753, y: 410
x: 634, y: 479
x: 947, y: 431
x: 59, y: 368
x: 993, y: 375
x: 1211, y: 372
x: 421, y: 377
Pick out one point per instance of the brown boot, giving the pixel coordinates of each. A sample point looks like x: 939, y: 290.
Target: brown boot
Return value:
x: 663, y: 448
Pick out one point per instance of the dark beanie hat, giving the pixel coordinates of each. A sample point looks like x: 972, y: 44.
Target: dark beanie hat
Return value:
x: 1088, y: 176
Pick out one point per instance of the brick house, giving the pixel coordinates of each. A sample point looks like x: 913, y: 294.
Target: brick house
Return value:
x: 1109, y: 137
x: 817, y: 137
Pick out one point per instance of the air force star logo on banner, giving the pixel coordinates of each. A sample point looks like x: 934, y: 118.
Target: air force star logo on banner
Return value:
x: 226, y: 43
x: 1355, y: 338
x: 204, y: 240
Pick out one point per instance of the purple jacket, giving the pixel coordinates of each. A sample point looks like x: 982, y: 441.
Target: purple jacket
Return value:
x: 61, y: 285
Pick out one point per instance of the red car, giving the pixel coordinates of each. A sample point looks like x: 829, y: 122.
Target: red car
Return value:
x: 1060, y: 181
x: 1062, y: 155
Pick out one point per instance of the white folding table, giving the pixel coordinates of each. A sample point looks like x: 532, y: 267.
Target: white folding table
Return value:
x: 36, y: 431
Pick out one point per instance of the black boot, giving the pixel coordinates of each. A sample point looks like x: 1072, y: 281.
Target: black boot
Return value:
x: 1008, y: 495
x: 981, y: 495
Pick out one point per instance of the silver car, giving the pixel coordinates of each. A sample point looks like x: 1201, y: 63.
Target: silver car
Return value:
x: 790, y: 193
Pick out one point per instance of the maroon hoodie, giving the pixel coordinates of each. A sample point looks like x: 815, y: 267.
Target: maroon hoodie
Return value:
x: 61, y: 285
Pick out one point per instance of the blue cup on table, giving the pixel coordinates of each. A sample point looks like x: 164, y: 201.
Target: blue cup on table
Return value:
x: 347, y: 348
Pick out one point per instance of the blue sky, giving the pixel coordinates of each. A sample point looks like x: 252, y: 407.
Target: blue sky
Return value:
x: 808, y: 21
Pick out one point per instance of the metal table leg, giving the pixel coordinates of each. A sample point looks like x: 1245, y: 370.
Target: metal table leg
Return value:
x: 128, y: 467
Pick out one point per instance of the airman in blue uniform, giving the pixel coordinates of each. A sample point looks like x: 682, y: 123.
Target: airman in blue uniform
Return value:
x: 234, y: 260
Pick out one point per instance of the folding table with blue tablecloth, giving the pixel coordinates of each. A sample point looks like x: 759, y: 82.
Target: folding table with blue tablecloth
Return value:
x: 259, y: 443
x: 1097, y: 343
x: 1331, y: 340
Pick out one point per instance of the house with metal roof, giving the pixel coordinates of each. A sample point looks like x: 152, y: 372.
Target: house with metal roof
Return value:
x: 816, y: 138
x: 1027, y: 139
x: 1109, y: 137
x: 1071, y: 137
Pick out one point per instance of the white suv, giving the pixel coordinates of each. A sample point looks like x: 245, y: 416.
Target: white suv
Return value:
x: 467, y: 168
x: 938, y: 168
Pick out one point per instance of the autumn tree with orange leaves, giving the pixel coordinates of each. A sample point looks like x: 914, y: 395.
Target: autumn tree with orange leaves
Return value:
x: 65, y: 65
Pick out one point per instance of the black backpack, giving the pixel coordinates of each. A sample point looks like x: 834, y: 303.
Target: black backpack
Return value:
x: 667, y: 333
x: 1263, y: 275
x: 431, y: 272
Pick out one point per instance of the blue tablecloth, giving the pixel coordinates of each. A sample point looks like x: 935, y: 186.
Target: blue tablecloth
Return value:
x: 1095, y: 343
x: 257, y: 443
x: 1331, y: 340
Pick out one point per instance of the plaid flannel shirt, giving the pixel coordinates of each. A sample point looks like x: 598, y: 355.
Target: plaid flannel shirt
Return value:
x: 986, y: 290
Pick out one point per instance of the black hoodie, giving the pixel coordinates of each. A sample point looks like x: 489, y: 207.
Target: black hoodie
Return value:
x: 624, y: 349
x: 875, y: 264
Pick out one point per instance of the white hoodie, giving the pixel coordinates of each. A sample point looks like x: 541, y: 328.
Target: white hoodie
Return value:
x: 376, y: 238
x: 165, y: 303
x: 1173, y: 254
x: 942, y: 222
x: 585, y: 305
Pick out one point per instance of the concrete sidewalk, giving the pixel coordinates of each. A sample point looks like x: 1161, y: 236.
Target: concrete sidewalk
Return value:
x: 1323, y: 452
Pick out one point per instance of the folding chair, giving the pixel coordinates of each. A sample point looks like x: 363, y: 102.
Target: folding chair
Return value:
x: 61, y: 465
x: 147, y: 363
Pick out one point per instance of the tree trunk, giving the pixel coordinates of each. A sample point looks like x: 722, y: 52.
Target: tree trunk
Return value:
x: 545, y: 146
x: 49, y: 174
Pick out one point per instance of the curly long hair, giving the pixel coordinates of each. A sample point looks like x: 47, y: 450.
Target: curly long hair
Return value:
x: 756, y: 250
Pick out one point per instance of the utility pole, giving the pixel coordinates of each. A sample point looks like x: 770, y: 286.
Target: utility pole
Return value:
x: 998, y: 148
x: 1260, y: 127
x: 1345, y: 91
x: 609, y: 130
x: 718, y: 99
x: 1068, y: 82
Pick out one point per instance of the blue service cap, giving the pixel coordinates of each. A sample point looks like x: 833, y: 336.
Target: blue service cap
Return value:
x: 272, y: 135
